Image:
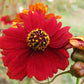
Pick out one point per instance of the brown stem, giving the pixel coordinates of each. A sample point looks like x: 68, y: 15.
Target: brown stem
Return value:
x: 2, y: 12
x: 13, y: 6
x: 82, y: 82
x: 53, y: 78
x: 2, y: 8
x: 33, y: 1
x: 28, y: 3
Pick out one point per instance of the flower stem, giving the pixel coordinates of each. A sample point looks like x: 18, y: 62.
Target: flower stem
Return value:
x: 77, y: 81
x: 48, y: 81
x: 18, y: 82
x: 29, y: 81
x: 54, y: 77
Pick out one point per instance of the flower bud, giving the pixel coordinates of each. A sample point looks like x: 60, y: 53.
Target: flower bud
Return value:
x: 77, y: 69
x: 77, y: 55
x: 77, y: 42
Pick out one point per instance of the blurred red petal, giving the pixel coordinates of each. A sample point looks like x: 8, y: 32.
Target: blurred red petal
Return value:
x: 61, y: 38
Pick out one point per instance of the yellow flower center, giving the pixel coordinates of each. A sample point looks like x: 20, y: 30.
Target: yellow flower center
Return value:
x: 38, y: 39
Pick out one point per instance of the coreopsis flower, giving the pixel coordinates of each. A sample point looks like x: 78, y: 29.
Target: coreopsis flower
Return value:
x: 35, y: 49
x: 39, y: 8
x: 6, y: 19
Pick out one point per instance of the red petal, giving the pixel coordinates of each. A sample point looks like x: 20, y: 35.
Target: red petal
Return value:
x: 11, y: 43
x: 37, y: 66
x: 51, y: 26
x: 34, y: 21
x: 44, y: 64
x: 11, y: 55
x: 19, y: 76
x: 16, y: 33
x: 58, y: 58
x: 17, y: 63
x: 61, y: 38
x: 5, y: 52
x: 30, y: 66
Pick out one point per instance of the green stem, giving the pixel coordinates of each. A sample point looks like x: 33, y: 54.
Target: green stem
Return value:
x: 77, y: 81
x: 48, y: 81
x: 18, y: 82
x: 29, y: 81
x: 54, y: 77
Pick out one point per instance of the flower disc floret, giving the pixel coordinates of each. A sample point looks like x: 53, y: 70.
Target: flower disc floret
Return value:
x: 38, y: 39
x: 7, y: 19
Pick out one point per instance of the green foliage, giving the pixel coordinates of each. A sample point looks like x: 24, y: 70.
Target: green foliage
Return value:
x: 61, y: 5
x: 68, y: 79
x: 0, y: 1
x: 81, y: 3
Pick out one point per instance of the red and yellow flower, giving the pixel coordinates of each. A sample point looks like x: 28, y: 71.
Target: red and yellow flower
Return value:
x: 35, y: 49
x: 77, y: 42
x: 6, y: 19
x: 39, y: 8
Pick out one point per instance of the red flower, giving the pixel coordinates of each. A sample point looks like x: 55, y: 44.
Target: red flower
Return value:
x: 6, y: 19
x: 39, y: 8
x: 37, y: 49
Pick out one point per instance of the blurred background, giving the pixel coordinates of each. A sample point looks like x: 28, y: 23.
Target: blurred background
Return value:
x: 72, y: 12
